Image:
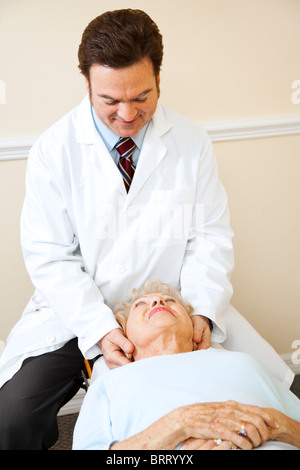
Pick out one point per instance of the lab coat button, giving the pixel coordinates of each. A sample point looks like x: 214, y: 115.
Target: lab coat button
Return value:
x: 51, y: 339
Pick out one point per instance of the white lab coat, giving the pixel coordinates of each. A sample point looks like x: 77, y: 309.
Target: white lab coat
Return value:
x: 87, y: 243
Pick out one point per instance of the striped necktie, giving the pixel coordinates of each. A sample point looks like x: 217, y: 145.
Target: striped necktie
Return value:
x: 125, y: 147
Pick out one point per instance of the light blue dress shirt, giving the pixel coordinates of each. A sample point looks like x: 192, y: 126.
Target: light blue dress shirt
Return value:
x: 110, y: 139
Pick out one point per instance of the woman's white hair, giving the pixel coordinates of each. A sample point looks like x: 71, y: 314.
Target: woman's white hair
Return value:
x: 151, y: 286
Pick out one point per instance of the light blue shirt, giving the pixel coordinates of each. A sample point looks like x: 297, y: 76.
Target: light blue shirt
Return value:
x: 110, y: 139
x: 126, y: 400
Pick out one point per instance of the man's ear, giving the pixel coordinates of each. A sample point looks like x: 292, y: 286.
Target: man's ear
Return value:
x: 87, y: 84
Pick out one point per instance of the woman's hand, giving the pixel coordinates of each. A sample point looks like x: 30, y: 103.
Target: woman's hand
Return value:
x: 285, y: 429
x: 200, y: 426
x: 222, y: 422
x: 260, y: 424
x: 207, y: 444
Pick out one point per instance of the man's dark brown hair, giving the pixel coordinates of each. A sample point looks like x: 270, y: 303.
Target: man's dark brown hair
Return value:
x: 119, y: 39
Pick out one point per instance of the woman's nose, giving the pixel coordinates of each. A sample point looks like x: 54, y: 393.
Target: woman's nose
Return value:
x: 158, y: 301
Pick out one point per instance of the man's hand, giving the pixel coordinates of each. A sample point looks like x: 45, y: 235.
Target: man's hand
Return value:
x: 202, y: 332
x: 116, y: 348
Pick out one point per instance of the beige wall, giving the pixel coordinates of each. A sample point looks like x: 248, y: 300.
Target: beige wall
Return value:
x: 262, y: 181
x: 225, y: 60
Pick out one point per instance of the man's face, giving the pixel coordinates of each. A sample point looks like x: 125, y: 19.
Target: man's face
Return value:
x: 124, y: 99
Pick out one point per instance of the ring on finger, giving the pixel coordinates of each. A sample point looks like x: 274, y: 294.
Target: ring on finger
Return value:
x: 242, y: 431
x: 218, y: 442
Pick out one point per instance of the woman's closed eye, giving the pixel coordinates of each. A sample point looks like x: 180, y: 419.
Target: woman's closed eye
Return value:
x: 143, y: 302
x: 139, y: 303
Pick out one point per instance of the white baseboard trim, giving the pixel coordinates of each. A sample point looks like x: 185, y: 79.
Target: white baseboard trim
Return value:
x: 75, y: 404
x: 253, y: 129
x: 15, y: 149
x: 18, y: 149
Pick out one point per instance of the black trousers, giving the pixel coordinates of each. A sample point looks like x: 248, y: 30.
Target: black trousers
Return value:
x: 30, y: 401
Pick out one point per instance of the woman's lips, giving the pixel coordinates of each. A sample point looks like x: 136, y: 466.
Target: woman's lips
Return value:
x: 159, y: 309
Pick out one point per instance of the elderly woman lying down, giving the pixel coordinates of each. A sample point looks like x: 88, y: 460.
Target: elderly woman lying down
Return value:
x: 174, y: 397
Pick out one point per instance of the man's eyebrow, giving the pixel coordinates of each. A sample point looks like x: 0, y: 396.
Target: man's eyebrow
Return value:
x: 106, y: 97
x: 141, y: 95
x: 144, y: 93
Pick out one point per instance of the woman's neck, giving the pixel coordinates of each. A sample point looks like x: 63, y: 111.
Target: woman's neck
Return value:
x: 161, y: 346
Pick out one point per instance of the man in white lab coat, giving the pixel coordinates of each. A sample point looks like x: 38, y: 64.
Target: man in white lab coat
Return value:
x: 88, y: 239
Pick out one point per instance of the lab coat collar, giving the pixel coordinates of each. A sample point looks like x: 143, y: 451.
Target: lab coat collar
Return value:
x: 153, y: 150
x: 85, y: 127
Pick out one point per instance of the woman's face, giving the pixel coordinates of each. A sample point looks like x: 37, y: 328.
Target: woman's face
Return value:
x: 155, y: 317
